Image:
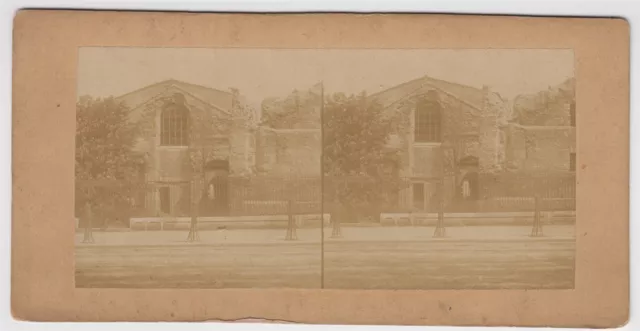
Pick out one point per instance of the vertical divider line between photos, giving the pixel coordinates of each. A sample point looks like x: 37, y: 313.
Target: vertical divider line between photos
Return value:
x: 322, y: 184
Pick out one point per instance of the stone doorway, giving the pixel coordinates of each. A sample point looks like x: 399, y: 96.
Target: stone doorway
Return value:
x: 215, y: 196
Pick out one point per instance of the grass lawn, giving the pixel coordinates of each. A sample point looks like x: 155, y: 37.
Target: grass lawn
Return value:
x: 348, y: 265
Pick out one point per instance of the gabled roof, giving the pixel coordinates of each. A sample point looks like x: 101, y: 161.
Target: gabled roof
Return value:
x: 467, y: 94
x: 218, y: 99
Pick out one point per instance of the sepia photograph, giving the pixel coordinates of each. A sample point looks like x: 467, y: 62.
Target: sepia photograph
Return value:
x: 412, y: 169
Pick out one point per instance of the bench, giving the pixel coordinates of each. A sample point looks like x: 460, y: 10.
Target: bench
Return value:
x: 413, y: 218
x: 416, y: 218
x: 300, y: 219
x: 147, y: 221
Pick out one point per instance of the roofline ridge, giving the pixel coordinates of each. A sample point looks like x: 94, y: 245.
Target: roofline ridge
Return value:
x: 430, y: 84
x: 430, y: 81
x: 157, y: 96
x: 144, y: 88
x: 454, y: 83
x: 170, y: 80
x: 203, y: 86
x: 397, y: 86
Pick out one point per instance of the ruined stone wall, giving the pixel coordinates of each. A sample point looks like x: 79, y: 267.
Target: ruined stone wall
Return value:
x: 549, y: 149
x: 265, y: 150
x: 540, y: 136
x: 491, y: 154
x: 288, y: 141
x: 298, y: 110
x: 289, y: 153
x: 516, y: 147
x: 238, y: 143
x: 550, y: 107
x: 540, y: 149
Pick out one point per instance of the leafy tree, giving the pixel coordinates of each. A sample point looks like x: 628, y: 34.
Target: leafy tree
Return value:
x: 361, y: 172
x: 104, y: 151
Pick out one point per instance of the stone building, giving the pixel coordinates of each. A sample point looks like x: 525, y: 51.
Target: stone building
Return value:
x: 195, y: 134
x: 289, y: 136
x: 541, y: 135
x: 445, y: 131
x: 190, y: 132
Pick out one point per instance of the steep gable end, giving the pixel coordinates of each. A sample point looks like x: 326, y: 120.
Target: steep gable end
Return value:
x: 135, y: 100
x: 467, y: 94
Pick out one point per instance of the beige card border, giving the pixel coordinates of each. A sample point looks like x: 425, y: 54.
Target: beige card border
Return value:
x: 44, y: 94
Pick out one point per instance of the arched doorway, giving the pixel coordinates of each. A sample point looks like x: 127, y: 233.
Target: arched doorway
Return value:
x: 468, y: 186
x: 215, y: 195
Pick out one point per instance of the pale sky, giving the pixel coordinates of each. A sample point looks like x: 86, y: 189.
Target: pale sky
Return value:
x: 260, y: 73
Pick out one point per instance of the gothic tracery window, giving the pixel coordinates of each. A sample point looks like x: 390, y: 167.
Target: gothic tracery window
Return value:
x: 174, y: 125
x: 428, y: 121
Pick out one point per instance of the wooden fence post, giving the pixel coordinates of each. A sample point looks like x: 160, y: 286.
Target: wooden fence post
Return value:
x: 336, y: 230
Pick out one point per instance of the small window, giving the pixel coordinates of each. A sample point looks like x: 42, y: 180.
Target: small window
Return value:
x: 418, y: 196
x: 572, y: 113
x: 572, y: 162
x: 165, y: 200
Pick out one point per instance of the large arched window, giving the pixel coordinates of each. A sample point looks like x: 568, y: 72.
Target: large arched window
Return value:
x: 428, y: 121
x: 174, y: 125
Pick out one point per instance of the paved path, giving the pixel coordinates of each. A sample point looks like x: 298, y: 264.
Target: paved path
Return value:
x: 350, y: 234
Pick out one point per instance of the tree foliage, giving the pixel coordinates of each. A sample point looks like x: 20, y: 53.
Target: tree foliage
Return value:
x: 299, y: 110
x: 104, y: 151
x: 361, y: 171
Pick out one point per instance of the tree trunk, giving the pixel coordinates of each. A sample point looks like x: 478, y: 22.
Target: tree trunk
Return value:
x: 291, y: 223
x: 193, y: 227
x: 336, y: 230
x: 536, y: 231
x: 88, y: 228
x: 440, y: 229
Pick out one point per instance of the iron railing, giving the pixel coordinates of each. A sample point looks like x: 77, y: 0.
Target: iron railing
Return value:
x: 356, y: 198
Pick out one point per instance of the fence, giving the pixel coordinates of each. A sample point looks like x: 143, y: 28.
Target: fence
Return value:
x: 516, y: 192
x: 349, y: 199
x: 115, y: 202
x: 503, y: 192
x: 271, y: 195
